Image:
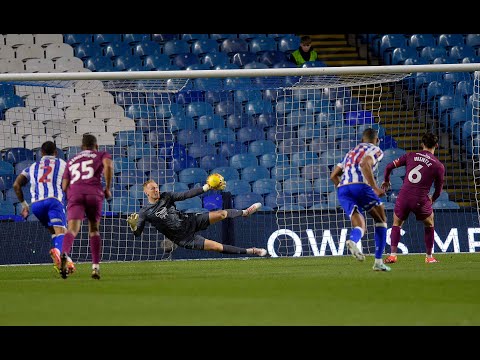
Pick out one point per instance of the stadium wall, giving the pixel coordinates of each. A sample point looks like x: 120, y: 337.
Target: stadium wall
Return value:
x: 28, y: 242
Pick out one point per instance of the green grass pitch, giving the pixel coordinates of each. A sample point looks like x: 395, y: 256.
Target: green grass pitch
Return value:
x: 332, y: 290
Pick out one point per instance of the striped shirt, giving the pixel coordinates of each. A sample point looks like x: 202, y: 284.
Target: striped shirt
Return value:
x: 352, y: 172
x: 45, y: 178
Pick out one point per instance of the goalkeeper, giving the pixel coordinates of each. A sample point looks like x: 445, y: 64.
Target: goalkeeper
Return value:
x: 182, y: 228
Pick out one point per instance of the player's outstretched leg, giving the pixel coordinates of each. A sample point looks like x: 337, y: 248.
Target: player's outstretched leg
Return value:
x: 96, y: 274
x: 251, y: 209
x: 64, y: 266
x: 352, y: 247
x: 258, y: 251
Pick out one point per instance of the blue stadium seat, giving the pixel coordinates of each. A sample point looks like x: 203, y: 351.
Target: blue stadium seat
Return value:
x: 7, y: 208
x: 207, y: 122
x: 197, y: 109
x: 7, y: 168
x: 164, y: 111
x: 156, y: 61
x: 6, y: 181
x: 163, y: 38
x: 193, y: 175
x: 176, y: 186
x: 271, y: 58
x: 233, y: 45
x: 242, y: 58
x: 213, y: 59
x: 253, y: 173
x: 316, y: 63
x: 227, y: 107
x: 149, y: 163
x: 242, y: 96
x: 140, y: 111
x: 231, y: 148
x: 130, y: 176
x: 122, y: 63
x: 127, y: 138
x: 459, y: 52
x: 185, y: 60
x: 116, y: 49
x: 323, y: 186
x: 451, y: 205
x: 209, y: 162
x: 260, y: 45
x: 99, y: 63
x: 134, y: 152
x: 250, y: 133
x: 229, y: 173
x: 454, y: 78
x: 240, y: 161
x: 174, y: 47
x: 432, y: 52
x: 306, y: 200
x: 266, y: 186
x: 134, y: 39
x: 235, y: 83
x: 269, y: 160
x: 163, y: 175
x: 87, y: 50
x: 75, y: 39
x: 190, y: 136
x: 122, y: 164
x: 283, y: 171
x: 205, y: 46
x: 207, y: 83
x: 169, y: 149
x: 11, y: 196
x: 265, y: 120
x: 300, y: 159
x: 124, y: 205
x: 464, y: 88
x: 310, y: 131
x: 236, y: 121
x: 472, y: 40
x: 136, y: 192
x: 8, y: 101
x: 399, y: 55
x: 449, y: 40
x: 291, y: 145
x: 314, y: 171
x: 261, y: 146
x: 188, y: 96
x: 236, y: 187
x: 296, y: 185
x: 103, y: 39
x: 419, y: 41
x: 181, y: 122
x: 256, y: 107
x: 158, y: 138
x: 199, y: 150
x: 455, y: 117
x: 243, y: 201
x: 182, y: 162
x: 277, y: 199
x: 220, y: 135
x: 288, y: 43
x: 443, y: 60
x: 448, y: 102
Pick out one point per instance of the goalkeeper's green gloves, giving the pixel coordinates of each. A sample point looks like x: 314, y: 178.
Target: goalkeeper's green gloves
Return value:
x: 132, y: 221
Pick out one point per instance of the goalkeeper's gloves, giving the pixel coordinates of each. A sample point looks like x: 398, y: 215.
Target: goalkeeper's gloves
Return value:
x: 206, y: 187
x: 132, y: 221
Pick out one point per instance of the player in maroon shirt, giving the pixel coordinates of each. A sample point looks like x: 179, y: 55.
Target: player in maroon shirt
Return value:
x: 85, y: 196
x: 422, y: 169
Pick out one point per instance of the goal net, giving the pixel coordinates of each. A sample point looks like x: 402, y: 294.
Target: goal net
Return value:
x: 274, y: 134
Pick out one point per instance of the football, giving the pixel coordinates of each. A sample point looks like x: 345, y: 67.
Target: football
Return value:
x: 216, y: 181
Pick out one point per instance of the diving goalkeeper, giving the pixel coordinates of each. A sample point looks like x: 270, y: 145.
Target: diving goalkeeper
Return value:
x: 182, y: 228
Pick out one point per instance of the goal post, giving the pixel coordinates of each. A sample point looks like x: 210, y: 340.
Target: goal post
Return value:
x: 274, y: 134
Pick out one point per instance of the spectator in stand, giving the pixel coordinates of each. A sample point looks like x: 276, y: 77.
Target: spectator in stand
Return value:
x: 304, y: 52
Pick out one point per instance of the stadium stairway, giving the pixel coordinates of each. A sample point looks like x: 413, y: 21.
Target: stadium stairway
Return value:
x: 334, y: 50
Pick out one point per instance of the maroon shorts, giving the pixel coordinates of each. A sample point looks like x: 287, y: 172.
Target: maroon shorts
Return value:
x: 421, y: 207
x: 80, y: 206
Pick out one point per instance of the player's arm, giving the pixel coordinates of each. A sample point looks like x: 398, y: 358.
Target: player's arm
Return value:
x: 366, y: 164
x: 335, y: 175
x: 21, y: 181
x: 179, y: 196
x: 438, y: 183
x: 401, y: 161
x: 108, y: 174
x: 65, y: 180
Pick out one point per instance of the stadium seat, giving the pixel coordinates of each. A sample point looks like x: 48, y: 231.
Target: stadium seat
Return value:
x: 449, y: 40
x: 261, y: 146
x: 7, y: 208
x: 193, y: 175
x: 296, y: 185
x: 300, y: 159
x: 184, y: 60
x: 87, y: 50
x: 266, y: 186
x: 288, y: 43
x: 231, y: 148
x: 227, y: 107
x: 432, y: 52
x: 256, y: 107
x: 6, y: 168
x: 198, y: 150
x: 236, y: 187
x: 197, y: 109
x: 75, y: 39
x: 214, y: 59
x: 135, y: 153
x: 130, y: 175
x: 323, y: 186
x: 240, y: 161
x: 236, y: 121
x: 291, y: 145
x: 220, y: 135
x: 213, y: 202
x: 124, y: 205
x: 399, y: 55
x: 472, y: 40
x: 249, y: 133
x: 189, y: 136
x: 233, y: 45
x: 123, y: 164
x: 99, y: 63
x: 204, y: 46
x: 253, y: 173
x: 123, y: 62
x: 133, y: 39
x: 180, y: 122
x: 174, y: 186
x: 174, y: 47
x: 459, y: 52
x: 156, y: 61
x: 273, y: 57
x: 464, y: 88
x: 163, y: 38
x: 419, y: 41
x: 243, y: 201
x: 104, y: 39
x: 207, y: 122
x: 163, y: 175
x: 269, y: 160
x: 18, y: 154
x: 235, y: 83
x: 128, y: 137
x: 209, y: 162
x: 242, y: 58
x: 228, y: 173
x: 262, y: 44
x: 182, y: 162
x: 448, y: 102
x: 56, y: 50
x: 136, y: 192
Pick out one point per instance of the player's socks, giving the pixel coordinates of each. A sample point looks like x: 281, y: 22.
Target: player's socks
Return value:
x: 380, y: 239
x: 394, y: 239
x: 356, y: 234
x: 233, y: 213
x: 95, y: 248
x: 429, y: 238
x: 229, y: 249
x: 67, y: 242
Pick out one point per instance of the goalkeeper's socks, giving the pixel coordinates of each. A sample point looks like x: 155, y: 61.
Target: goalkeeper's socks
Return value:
x: 233, y: 213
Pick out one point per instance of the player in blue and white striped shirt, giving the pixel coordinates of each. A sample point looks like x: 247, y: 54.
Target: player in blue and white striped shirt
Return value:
x: 358, y: 192
x: 47, y: 205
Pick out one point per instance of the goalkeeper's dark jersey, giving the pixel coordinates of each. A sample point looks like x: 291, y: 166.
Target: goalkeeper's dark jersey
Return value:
x: 165, y: 217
